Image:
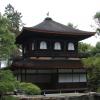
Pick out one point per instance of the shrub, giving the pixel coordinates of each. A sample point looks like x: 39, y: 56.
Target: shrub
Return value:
x: 98, y: 89
x: 8, y: 83
x: 30, y: 88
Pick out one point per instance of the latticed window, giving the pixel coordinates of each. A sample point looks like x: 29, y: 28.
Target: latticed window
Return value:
x: 43, y: 45
x: 57, y: 46
x: 72, y: 77
x: 71, y: 46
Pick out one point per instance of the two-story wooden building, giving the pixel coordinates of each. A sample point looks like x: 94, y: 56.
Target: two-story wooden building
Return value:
x: 50, y: 57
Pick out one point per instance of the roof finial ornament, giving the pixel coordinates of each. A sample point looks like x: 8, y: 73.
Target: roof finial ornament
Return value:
x: 48, y: 14
x: 48, y: 18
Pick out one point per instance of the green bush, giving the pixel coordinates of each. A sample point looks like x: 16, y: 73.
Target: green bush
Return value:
x: 30, y: 89
x: 98, y: 90
x: 8, y: 83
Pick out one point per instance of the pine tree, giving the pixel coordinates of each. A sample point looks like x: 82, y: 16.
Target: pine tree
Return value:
x: 15, y: 19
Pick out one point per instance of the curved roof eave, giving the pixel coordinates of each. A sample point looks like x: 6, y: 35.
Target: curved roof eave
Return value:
x: 57, y: 32
x: 50, y: 27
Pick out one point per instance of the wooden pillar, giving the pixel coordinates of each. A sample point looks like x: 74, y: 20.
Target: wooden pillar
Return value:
x: 65, y: 45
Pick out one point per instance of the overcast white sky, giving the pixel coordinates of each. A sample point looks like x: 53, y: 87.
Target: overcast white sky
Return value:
x: 78, y: 12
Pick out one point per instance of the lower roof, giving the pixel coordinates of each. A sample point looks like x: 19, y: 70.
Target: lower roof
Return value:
x: 47, y: 64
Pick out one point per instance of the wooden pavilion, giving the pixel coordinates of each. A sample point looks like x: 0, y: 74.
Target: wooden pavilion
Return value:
x: 50, y: 57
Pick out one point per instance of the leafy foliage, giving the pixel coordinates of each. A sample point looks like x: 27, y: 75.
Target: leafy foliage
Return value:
x: 30, y: 88
x: 96, y: 50
x: 88, y: 62
x: 8, y: 83
x: 97, y: 20
x: 14, y: 17
x: 7, y: 39
x: 10, y: 24
x: 84, y: 48
x: 92, y: 64
x: 93, y: 68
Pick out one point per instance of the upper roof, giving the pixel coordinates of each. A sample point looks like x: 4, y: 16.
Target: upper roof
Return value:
x: 49, y: 26
x: 52, y: 26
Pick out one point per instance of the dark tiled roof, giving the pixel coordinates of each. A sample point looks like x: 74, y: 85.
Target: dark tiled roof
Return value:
x: 41, y: 64
x: 51, y: 28
x: 48, y: 25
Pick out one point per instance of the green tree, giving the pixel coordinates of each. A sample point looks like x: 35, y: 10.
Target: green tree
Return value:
x: 96, y: 50
x: 84, y: 47
x: 7, y: 39
x: 15, y: 19
x: 15, y: 23
x: 97, y: 20
x: 8, y: 83
x: 92, y: 64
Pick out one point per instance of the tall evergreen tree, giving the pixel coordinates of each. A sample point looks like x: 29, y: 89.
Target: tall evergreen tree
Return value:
x: 15, y: 22
x: 97, y: 20
x: 92, y: 64
x: 7, y: 39
x: 14, y: 17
